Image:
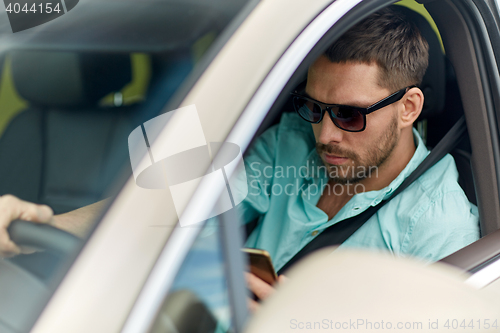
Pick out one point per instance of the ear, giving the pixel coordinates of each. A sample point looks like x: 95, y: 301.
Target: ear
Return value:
x: 412, y: 105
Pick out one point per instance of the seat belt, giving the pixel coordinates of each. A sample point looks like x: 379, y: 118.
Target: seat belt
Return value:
x: 339, y: 232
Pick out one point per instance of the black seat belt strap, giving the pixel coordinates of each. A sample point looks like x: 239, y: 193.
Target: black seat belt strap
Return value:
x: 340, y: 231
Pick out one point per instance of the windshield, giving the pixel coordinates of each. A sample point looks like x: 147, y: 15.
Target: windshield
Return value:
x: 76, y: 78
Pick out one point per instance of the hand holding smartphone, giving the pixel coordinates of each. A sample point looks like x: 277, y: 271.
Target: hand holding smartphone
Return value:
x: 261, y: 265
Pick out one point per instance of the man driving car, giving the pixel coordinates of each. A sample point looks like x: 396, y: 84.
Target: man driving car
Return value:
x: 355, y: 155
x: 349, y: 145
x: 361, y: 99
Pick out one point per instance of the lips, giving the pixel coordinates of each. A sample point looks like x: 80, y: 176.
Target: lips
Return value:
x: 335, y: 160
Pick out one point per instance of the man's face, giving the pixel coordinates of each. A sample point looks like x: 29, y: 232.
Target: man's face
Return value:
x: 351, y: 156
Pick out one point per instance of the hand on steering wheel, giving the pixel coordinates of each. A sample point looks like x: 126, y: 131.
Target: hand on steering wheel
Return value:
x: 13, y: 208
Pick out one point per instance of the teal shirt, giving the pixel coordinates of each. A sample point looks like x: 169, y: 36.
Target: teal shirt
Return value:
x: 430, y: 219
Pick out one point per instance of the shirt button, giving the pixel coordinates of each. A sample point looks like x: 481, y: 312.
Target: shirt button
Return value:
x: 356, y: 208
x: 314, y: 233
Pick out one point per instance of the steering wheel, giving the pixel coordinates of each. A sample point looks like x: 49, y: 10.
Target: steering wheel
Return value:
x: 24, y: 292
x: 42, y: 236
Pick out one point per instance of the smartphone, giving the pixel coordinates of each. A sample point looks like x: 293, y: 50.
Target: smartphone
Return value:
x: 261, y: 265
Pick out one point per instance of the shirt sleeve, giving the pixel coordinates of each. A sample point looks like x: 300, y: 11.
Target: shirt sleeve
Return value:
x: 259, y: 171
x: 447, y: 224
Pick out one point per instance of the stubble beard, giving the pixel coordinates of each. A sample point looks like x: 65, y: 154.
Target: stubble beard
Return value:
x: 377, y: 153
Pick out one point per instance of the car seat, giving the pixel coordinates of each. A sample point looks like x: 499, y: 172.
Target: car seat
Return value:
x: 442, y: 107
x: 64, y: 149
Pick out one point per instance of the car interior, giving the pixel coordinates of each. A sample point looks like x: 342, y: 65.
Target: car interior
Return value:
x: 72, y: 92
x: 62, y: 118
x: 66, y: 144
x: 68, y: 102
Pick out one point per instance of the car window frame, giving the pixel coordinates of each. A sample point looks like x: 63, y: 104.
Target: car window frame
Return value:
x: 481, y: 257
x: 149, y: 301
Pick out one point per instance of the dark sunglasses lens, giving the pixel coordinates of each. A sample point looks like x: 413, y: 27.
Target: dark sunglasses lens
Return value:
x: 349, y: 118
x: 308, y: 110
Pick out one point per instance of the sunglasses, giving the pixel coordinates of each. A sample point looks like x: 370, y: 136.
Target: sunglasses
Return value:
x: 345, y: 117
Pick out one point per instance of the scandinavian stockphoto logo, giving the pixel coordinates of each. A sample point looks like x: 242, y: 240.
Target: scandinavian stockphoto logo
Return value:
x: 25, y: 14
x: 177, y: 159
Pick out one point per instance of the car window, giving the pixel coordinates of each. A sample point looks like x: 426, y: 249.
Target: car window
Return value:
x: 198, y: 300
x: 68, y: 107
x: 71, y: 93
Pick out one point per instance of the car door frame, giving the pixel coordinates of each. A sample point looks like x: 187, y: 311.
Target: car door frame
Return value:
x: 482, y: 258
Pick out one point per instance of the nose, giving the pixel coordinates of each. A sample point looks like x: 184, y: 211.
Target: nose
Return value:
x: 329, y: 133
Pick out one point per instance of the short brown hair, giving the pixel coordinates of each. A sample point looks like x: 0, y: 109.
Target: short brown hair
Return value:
x: 389, y: 39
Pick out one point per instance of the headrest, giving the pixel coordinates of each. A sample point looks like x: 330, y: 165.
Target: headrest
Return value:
x: 434, y: 82
x: 68, y: 79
